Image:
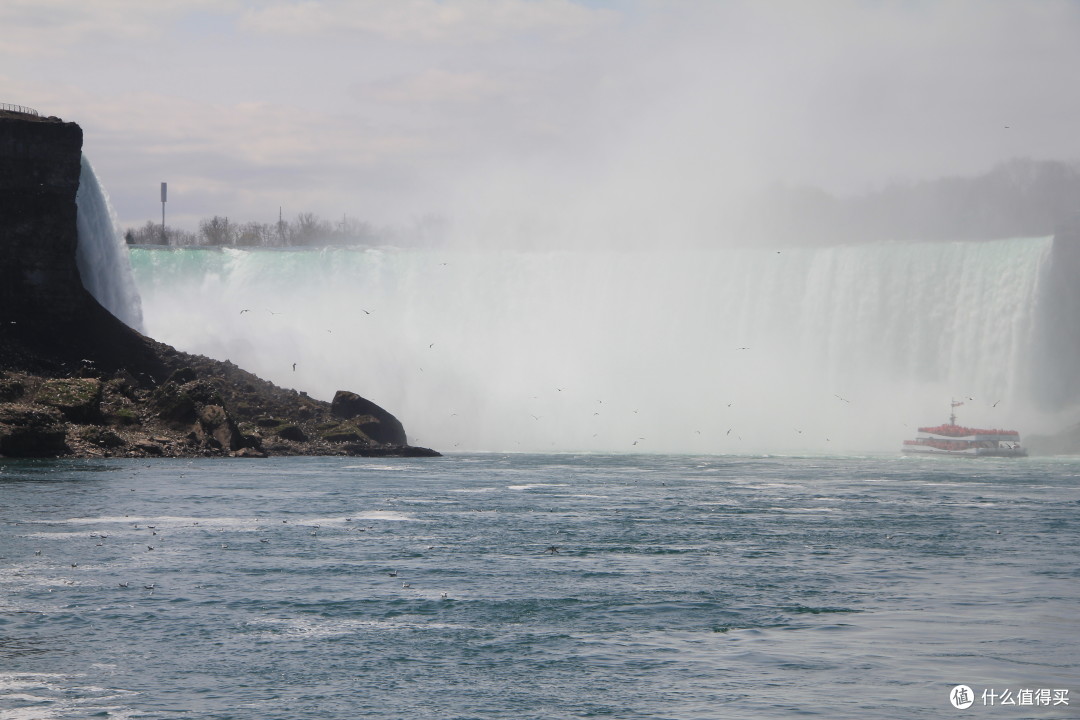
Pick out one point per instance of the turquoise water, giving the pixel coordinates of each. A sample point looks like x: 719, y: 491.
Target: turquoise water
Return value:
x: 681, y: 587
x: 733, y: 351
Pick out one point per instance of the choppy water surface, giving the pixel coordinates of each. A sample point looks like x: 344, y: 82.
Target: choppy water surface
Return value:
x: 533, y: 586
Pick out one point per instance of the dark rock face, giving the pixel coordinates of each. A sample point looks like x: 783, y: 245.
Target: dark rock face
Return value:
x: 39, y: 176
x: 74, y: 380
x: 29, y: 431
x: 371, y: 419
x: 48, y: 321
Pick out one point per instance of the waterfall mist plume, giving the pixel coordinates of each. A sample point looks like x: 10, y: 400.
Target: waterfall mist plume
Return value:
x: 841, y: 349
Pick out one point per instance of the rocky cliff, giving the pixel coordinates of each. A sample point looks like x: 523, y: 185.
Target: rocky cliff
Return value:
x: 74, y: 380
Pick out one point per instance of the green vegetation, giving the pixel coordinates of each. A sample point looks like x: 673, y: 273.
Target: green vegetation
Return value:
x: 305, y: 230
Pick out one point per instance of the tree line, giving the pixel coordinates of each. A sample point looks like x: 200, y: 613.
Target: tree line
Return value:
x: 1018, y: 198
x: 305, y: 230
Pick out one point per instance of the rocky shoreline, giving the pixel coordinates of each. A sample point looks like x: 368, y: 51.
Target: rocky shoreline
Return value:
x: 77, y: 382
x: 203, y: 408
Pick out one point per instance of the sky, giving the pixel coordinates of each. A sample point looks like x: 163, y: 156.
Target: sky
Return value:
x: 603, y: 116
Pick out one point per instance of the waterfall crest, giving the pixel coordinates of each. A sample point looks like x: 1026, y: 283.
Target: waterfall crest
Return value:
x: 842, y: 349
x: 102, y: 255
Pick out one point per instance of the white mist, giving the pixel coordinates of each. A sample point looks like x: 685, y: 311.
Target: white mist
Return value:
x: 798, y: 351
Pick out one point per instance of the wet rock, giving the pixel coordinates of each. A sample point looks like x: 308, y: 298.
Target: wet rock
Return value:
x: 342, y: 433
x: 372, y: 420
x: 174, y: 405
x: 29, y: 431
x: 249, y: 452
x: 102, y: 437
x: 79, y: 399
x: 292, y: 432
x: 219, y: 427
x: 11, y: 389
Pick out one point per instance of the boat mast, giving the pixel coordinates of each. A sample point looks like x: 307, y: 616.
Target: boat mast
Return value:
x: 952, y: 411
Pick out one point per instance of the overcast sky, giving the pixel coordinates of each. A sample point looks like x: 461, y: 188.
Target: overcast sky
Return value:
x: 593, y: 111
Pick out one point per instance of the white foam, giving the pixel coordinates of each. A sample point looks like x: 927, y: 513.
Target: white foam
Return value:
x: 530, y: 486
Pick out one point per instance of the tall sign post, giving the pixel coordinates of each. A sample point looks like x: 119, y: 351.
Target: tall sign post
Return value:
x: 164, y: 190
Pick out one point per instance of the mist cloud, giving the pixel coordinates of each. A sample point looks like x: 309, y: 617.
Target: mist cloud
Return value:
x: 603, y: 117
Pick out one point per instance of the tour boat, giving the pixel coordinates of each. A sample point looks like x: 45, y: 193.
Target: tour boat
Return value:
x: 953, y: 439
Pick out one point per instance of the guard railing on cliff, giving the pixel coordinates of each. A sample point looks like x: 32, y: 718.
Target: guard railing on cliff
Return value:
x: 19, y: 109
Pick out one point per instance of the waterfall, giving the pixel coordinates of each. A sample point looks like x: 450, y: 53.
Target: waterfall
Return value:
x: 102, y: 255
x: 843, y: 349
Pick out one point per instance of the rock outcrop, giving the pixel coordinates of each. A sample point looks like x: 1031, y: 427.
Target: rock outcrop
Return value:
x: 74, y: 380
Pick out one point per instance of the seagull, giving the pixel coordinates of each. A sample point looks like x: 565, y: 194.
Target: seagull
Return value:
x: 844, y: 399
x: 553, y: 549
x: 294, y: 367
x: 245, y: 310
x: 995, y: 404
x: 123, y: 585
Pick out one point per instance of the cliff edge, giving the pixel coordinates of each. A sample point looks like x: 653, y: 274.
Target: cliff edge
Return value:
x: 75, y: 381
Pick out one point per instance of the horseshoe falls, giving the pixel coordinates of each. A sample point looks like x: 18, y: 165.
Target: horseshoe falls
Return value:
x: 825, y: 350
x: 102, y: 255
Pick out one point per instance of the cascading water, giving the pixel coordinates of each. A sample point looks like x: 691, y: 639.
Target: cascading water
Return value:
x: 102, y: 255
x: 841, y: 349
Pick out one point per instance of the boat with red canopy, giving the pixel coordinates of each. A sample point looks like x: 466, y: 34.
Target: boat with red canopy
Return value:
x: 953, y: 439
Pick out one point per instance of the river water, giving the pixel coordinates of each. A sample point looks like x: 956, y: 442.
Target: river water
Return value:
x: 539, y: 586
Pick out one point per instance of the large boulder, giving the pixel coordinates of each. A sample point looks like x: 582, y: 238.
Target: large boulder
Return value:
x: 221, y: 430
x: 372, y: 420
x: 28, y: 431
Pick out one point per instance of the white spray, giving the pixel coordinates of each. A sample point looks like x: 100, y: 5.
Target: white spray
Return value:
x: 102, y: 255
x: 728, y: 351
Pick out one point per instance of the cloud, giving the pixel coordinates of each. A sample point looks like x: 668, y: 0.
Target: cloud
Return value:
x: 460, y: 23
x: 433, y: 86
x: 39, y: 28
x: 616, y: 113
